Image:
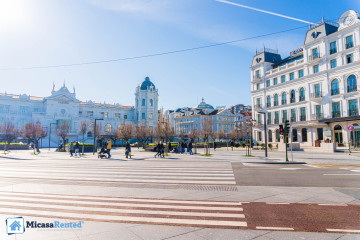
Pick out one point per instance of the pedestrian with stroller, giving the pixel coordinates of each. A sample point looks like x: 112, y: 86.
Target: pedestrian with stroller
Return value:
x: 127, y: 149
x: 108, y: 148
x: 71, y: 149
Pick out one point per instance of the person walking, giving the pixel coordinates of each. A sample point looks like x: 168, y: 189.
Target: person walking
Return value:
x: 71, y: 149
x: 127, y: 149
x: 158, y: 150
x: 232, y: 145
x: 77, y: 147
x: 108, y: 148
x: 162, y: 151
x: 169, y: 147
x: 190, y: 146
x: 214, y: 146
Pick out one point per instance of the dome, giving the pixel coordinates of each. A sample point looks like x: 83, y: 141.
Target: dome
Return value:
x: 146, y: 84
x: 203, y: 105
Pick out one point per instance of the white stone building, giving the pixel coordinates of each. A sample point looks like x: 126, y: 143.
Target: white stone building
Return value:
x: 316, y: 87
x: 62, y: 105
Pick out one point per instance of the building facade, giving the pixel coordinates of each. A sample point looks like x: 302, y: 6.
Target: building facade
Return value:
x: 62, y: 105
x: 315, y: 88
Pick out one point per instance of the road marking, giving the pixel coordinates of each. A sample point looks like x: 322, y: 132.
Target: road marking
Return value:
x: 313, y: 166
x: 329, y: 204
x: 341, y: 174
x: 275, y: 228
x: 355, y: 170
x: 343, y: 230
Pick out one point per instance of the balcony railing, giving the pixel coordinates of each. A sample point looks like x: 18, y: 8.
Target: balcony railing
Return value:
x: 276, y: 120
x: 353, y: 113
x: 302, y: 118
x: 318, y: 116
x: 268, y: 121
x: 352, y: 88
x: 276, y: 104
x: 335, y: 92
x: 257, y: 78
x: 336, y: 114
x: 293, y: 119
x: 316, y: 95
x: 268, y: 104
x: 333, y: 51
x: 284, y: 119
x: 314, y: 57
x: 349, y: 45
x: 283, y: 102
x: 292, y: 100
x: 301, y: 98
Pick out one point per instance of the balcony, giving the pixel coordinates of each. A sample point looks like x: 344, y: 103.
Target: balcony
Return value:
x: 257, y: 78
x: 302, y: 118
x: 283, y: 102
x: 292, y: 100
x: 316, y: 95
x: 335, y: 92
x: 301, y: 98
x: 276, y: 104
x: 284, y: 119
x: 286, y: 66
x: 293, y: 119
x: 336, y: 114
x: 268, y: 121
x: 351, y: 88
x: 276, y: 120
x: 318, y: 116
x: 314, y: 57
x: 349, y: 45
x: 258, y: 108
x: 353, y: 113
x: 268, y: 105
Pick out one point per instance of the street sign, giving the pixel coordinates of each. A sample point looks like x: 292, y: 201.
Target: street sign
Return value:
x: 350, y: 127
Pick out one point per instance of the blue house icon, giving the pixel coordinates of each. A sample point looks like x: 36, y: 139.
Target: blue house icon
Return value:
x: 15, y: 226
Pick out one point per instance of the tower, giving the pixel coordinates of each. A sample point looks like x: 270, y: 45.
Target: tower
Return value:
x: 146, y: 103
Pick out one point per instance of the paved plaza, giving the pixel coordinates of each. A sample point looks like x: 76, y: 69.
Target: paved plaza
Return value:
x: 225, y: 196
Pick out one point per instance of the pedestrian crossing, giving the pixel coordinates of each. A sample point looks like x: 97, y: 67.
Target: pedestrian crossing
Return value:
x: 152, y: 171
x: 124, y: 210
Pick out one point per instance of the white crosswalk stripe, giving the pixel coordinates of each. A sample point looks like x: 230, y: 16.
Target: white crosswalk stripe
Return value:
x: 129, y: 210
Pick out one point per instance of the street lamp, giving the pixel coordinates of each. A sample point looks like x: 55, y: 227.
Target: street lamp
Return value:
x: 97, y: 119
x: 266, y: 153
x: 252, y: 121
x: 50, y: 133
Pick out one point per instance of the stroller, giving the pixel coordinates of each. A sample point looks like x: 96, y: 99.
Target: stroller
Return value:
x: 102, y: 153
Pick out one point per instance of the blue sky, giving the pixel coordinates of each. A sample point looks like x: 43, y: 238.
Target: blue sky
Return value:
x: 42, y: 32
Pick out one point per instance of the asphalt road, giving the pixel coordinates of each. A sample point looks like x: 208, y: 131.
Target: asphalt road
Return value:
x: 295, y: 175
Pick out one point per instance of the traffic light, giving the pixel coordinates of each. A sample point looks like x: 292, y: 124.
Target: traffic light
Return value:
x: 281, y: 129
x: 287, y: 127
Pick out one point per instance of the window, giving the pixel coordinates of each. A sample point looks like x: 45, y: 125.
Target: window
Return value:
x: 259, y: 118
x: 318, y: 114
x: 315, y: 53
x: 293, y: 115
x: 108, y: 128
x: 125, y: 116
x: 268, y: 83
x: 277, y: 135
x: 268, y: 101
x: 258, y: 86
x: 270, y: 136
x: 269, y: 118
x: 276, y: 100
x: 302, y: 95
x: 285, y: 116
x: 333, y: 63
x: 316, y: 68
x: 276, y: 120
x: 143, y: 102
x: 301, y: 73
x: 80, y: 113
x: 304, y: 135
x: 349, y: 42
x: 142, y: 115
x: 259, y: 136
x: 117, y: 116
x: 351, y: 84
x: 335, y: 87
x: 294, y: 135
x: 151, y: 102
x: 283, y: 78
x: 292, y: 76
x: 258, y: 102
x: 102, y: 115
x: 302, y: 114
x: 257, y: 74
x: 317, y: 92
x: 106, y: 115
x: 333, y: 48
x: 275, y: 81
x: 150, y: 116
x: 283, y: 98
x: 336, y: 110
x: 90, y: 113
x: 349, y: 58
x: 292, y: 96
x: 320, y: 133
x: 353, y: 107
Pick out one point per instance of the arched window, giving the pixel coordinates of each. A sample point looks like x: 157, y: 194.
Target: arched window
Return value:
x: 276, y: 100
x: 302, y: 95
x: 108, y: 128
x: 337, y: 128
x: 268, y: 101
x: 292, y: 96
x: 283, y: 98
x: 151, y: 102
x: 335, y: 87
x: 351, y: 84
x: 270, y: 136
x: 143, y: 102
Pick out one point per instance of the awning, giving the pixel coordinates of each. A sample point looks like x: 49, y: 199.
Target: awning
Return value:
x: 341, y: 119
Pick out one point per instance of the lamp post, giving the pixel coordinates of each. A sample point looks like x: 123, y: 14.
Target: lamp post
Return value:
x: 97, y: 119
x: 266, y: 153
x: 252, y: 121
x: 50, y: 133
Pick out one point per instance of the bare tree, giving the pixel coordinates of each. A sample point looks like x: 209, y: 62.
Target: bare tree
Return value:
x: 207, y: 130
x: 9, y: 133
x: 34, y: 132
x: 126, y: 131
x: 194, y: 135
x: 113, y: 135
x: 83, y: 130
x: 62, y: 130
x: 220, y: 134
x: 142, y: 134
